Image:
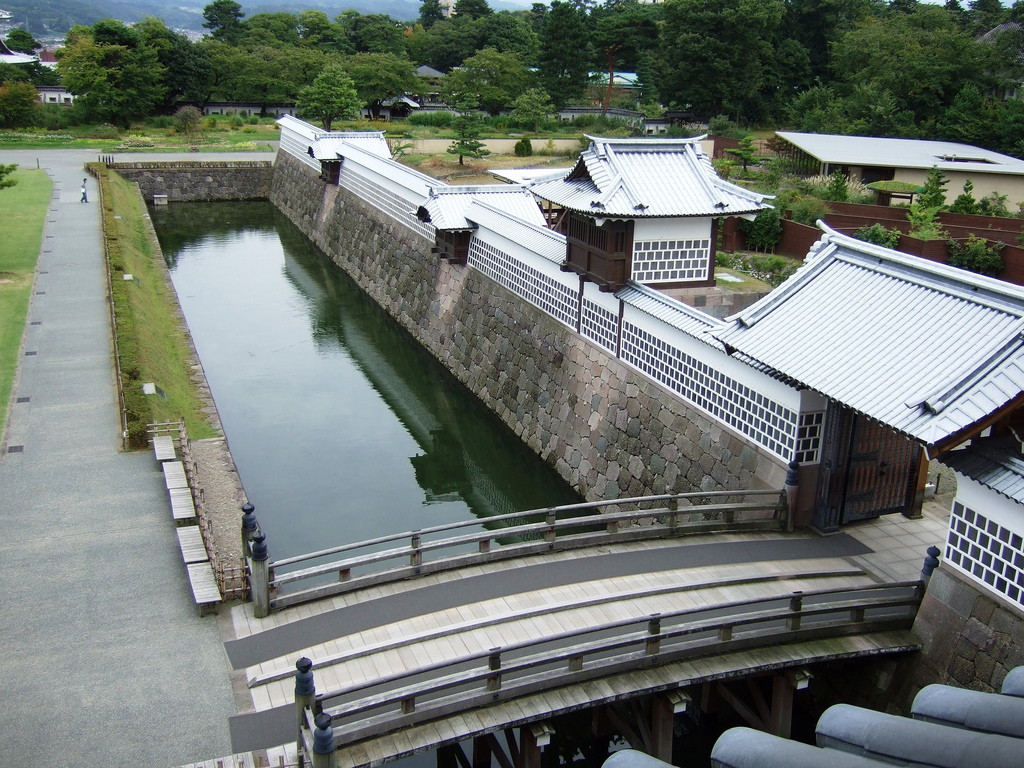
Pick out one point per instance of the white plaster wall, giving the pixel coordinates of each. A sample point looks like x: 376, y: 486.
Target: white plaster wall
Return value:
x: 679, y: 228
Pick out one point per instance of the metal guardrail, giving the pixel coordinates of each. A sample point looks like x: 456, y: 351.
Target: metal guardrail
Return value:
x: 391, y: 702
x: 525, y: 533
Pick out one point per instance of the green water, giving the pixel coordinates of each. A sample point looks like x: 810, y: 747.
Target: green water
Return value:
x: 342, y: 427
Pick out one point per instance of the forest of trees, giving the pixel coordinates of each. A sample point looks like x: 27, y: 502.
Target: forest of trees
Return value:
x: 899, y: 68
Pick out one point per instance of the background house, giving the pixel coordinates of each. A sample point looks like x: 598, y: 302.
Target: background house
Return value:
x: 868, y: 159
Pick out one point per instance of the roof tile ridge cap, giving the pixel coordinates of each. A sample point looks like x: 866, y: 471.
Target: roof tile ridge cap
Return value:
x: 940, y: 397
x: 703, y: 165
x: 824, y: 251
x: 668, y: 301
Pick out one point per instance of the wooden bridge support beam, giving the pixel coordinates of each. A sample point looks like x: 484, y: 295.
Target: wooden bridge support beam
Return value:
x: 529, y: 750
x: 662, y: 727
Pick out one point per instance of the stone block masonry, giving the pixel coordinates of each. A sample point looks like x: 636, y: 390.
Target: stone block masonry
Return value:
x: 608, y: 431
x: 200, y: 182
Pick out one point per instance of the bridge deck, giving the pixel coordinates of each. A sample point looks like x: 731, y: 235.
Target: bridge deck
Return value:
x: 372, y: 636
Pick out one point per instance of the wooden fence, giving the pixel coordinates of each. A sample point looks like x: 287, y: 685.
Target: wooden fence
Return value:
x: 572, y: 526
x: 447, y: 687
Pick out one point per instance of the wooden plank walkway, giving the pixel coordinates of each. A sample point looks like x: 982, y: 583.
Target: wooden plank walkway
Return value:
x: 182, y: 506
x: 193, y: 549
x: 174, y: 474
x: 163, y: 448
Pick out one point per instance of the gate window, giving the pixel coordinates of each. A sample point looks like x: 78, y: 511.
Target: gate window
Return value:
x: 808, y: 437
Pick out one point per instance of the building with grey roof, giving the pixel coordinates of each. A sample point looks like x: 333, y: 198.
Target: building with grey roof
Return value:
x: 643, y: 210
x: 868, y: 159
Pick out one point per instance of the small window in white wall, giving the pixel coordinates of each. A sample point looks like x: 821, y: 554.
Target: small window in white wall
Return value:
x: 808, y: 437
x: 991, y: 553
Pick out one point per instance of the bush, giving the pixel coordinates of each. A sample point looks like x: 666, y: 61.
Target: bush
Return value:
x: 254, y: 120
x: 433, y: 119
x: 976, y: 255
x: 720, y: 125
x: 765, y: 231
x: 160, y: 121
x: 523, y: 148
x: 771, y: 269
x: 103, y: 131
x: 835, y: 189
x: 808, y: 210
x: 235, y: 121
x: 879, y: 235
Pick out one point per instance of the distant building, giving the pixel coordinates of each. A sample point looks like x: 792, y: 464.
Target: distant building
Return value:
x: 55, y: 94
x: 246, y: 109
x: 868, y: 159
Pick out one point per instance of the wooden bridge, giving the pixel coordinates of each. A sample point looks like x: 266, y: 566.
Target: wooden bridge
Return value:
x: 641, y: 608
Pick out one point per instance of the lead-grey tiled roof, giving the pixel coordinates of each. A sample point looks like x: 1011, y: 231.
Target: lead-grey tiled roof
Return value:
x: 536, y: 238
x: 647, y: 178
x: 447, y: 205
x: 332, y: 146
x: 922, y: 347
x: 671, y: 311
x: 995, y: 463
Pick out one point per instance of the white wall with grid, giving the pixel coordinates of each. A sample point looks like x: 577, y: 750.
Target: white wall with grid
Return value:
x: 532, y: 277
x: 749, y: 402
x: 671, y: 250
x: 297, y: 145
x: 985, y: 540
x: 358, y: 182
x: 599, y: 318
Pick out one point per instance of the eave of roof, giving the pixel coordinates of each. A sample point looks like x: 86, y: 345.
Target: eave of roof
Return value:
x: 447, y: 206
x: 995, y: 463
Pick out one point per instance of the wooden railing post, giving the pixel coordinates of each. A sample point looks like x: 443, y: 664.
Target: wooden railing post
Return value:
x: 672, y: 519
x: 652, y: 646
x: 550, y: 533
x: 259, y: 576
x: 249, y: 525
x: 796, y: 605
x: 323, y: 742
x: 789, y: 494
x: 416, y: 558
x: 305, y: 696
x: 494, y: 665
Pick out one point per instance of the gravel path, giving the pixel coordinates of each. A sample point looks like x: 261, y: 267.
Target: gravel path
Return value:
x: 222, y: 496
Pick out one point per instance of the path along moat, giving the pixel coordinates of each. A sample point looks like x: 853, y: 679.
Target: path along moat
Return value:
x: 341, y: 426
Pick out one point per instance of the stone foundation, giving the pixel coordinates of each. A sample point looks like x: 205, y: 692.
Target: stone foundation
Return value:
x: 607, y: 430
x: 195, y: 182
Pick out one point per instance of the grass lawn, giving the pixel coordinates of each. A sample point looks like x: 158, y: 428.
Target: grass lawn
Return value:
x: 24, y: 209
x: 163, y: 350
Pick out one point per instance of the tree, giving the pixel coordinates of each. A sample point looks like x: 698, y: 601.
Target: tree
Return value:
x: 380, y: 76
x: 508, y: 32
x: 985, y: 14
x: 431, y: 12
x: 18, y: 101
x: 331, y: 96
x: 188, y: 120
x: 468, y: 125
x: 186, y: 67
x: 373, y: 33
x: 278, y: 29
x: 450, y: 42
x: 116, y: 78
x: 472, y: 9
x: 224, y: 19
x: 21, y: 41
x: 976, y: 255
x: 564, y: 53
x: 531, y: 107
x: 921, y: 58
x: 933, y: 193
x: 494, y: 79
x: 5, y: 172
x: 624, y: 27
x: 728, y: 42
x: 745, y: 152
x: 965, y: 202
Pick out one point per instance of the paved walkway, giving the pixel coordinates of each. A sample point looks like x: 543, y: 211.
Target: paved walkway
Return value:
x: 104, y: 660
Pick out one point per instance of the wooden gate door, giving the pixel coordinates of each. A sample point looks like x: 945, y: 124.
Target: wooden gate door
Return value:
x: 881, y: 472
x: 866, y: 470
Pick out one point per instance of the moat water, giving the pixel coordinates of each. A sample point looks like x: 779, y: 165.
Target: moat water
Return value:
x: 341, y: 425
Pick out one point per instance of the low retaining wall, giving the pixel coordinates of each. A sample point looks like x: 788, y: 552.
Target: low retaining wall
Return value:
x: 200, y: 182
x: 607, y: 430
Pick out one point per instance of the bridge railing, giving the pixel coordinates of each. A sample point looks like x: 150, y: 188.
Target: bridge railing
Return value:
x: 446, y: 547
x: 449, y: 687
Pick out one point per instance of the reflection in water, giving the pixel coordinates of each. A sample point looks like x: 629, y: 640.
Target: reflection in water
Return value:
x: 342, y: 427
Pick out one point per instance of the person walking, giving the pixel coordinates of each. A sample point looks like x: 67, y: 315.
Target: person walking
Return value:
x: 85, y: 199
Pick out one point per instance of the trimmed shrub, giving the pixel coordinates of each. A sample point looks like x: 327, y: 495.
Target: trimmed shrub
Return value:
x: 523, y: 148
x: 976, y: 255
x: 433, y: 119
x: 879, y: 235
x: 765, y: 231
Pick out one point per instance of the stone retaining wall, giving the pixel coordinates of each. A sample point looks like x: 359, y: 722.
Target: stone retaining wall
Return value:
x: 607, y: 430
x: 195, y: 182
